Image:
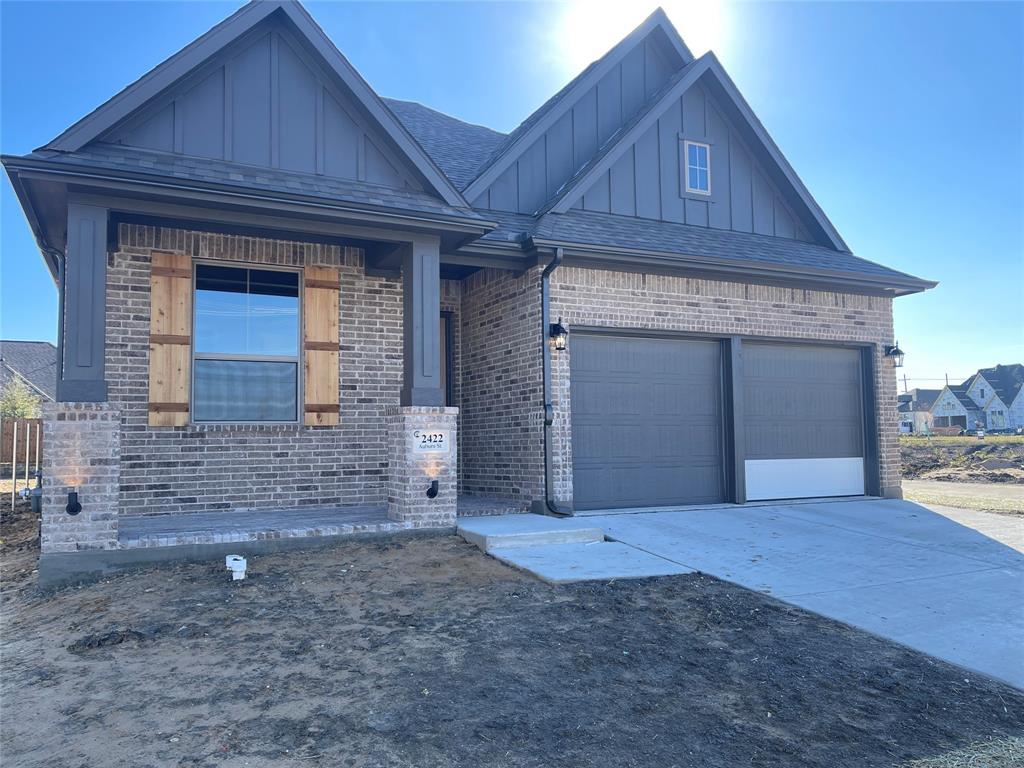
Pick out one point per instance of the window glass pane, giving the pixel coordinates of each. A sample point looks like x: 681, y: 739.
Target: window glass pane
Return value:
x: 691, y: 155
x: 246, y: 311
x: 702, y: 158
x: 244, y: 390
x: 702, y: 178
x: 694, y: 181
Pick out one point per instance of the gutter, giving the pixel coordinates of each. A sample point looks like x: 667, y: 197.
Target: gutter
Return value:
x: 110, y: 178
x: 551, y: 506
x: 608, y: 257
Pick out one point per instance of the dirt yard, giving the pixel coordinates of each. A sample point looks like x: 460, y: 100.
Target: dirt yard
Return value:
x: 420, y: 651
x: 996, y: 459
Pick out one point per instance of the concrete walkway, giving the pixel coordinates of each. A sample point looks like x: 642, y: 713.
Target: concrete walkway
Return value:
x: 890, y: 567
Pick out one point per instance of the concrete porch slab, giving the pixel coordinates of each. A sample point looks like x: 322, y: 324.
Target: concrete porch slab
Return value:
x: 144, y: 531
x: 507, y: 531
x: 591, y: 561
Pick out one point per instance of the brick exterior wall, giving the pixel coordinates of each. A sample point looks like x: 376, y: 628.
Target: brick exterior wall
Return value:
x: 501, y: 402
x: 219, y: 467
x: 497, y: 376
x: 589, y: 297
x: 410, y: 473
x: 83, y: 446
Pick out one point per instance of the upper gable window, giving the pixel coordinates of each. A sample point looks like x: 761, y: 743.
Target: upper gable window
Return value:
x: 698, y: 167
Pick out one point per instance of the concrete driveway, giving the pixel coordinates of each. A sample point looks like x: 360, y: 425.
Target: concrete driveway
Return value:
x: 893, y: 568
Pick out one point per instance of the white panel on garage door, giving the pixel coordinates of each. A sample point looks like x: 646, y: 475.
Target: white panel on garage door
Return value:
x: 646, y: 421
x: 803, y: 421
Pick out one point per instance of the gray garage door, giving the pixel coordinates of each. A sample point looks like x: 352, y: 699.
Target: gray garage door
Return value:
x: 803, y: 421
x: 646, y: 421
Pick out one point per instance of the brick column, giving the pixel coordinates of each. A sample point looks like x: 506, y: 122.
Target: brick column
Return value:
x: 421, y: 449
x: 82, y: 453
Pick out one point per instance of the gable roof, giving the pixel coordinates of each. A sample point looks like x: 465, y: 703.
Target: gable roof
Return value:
x: 707, y: 69
x: 35, y: 362
x: 132, y: 98
x: 458, y: 148
x: 1006, y: 380
x: 959, y: 391
x: 544, y: 116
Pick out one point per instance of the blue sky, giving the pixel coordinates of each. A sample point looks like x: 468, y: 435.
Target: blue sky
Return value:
x: 905, y: 120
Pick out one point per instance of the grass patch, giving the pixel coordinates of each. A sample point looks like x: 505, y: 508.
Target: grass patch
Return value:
x: 914, y: 440
x: 1004, y: 753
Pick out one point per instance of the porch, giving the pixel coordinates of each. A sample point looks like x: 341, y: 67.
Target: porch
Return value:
x: 233, y: 527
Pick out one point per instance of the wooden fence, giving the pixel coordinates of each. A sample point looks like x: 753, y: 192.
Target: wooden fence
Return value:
x: 29, y: 434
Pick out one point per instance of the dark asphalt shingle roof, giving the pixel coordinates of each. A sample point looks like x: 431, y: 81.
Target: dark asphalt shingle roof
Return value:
x: 456, y: 147
x: 922, y: 399
x: 960, y: 392
x: 1006, y: 380
x: 602, y: 229
x: 164, y: 164
x: 34, y: 361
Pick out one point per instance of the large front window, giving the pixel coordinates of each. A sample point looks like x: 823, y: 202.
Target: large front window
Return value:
x: 246, y: 349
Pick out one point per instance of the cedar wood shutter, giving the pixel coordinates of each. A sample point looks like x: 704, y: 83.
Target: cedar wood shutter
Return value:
x: 320, y: 342
x: 170, y: 339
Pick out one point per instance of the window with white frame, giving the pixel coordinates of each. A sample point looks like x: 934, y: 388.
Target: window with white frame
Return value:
x: 698, y: 167
x: 245, y: 365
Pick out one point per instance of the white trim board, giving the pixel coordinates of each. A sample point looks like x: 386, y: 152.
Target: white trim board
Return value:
x: 803, y: 478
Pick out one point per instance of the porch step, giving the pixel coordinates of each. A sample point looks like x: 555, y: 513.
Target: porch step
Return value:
x: 592, y: 561
x: 526, y: 530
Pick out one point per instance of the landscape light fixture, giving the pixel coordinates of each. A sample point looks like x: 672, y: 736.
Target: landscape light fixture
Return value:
x: 559, y: 333
x: 896, y: 354
x: 73, y: 507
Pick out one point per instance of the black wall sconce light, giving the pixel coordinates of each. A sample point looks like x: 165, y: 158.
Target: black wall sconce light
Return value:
x: 432, y: 490
x: 559, y: 333
x: 74, y: 506
x: 896, y: 354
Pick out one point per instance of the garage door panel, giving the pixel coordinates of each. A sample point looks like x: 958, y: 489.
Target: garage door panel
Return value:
x: 646, y: 421
x: 803, y: 421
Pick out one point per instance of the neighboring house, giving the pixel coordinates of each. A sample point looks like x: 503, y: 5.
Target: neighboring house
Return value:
x: 914, y: 409
x: 283, y: 291
x: 34, y: 362
x: 991, y: 397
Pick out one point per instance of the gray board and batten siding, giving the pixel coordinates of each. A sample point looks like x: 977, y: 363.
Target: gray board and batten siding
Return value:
x: 648, y: 178
x: 541, y: 169
x: 264, y: 101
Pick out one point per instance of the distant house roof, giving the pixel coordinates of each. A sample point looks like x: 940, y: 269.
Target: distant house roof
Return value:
x: 921, y: 399
x: 960, y: 391
x: 1005, y: 380
x: 35, y: 362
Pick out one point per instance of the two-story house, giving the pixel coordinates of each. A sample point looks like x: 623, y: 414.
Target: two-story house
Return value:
x: 990, y: 398
x: 282, y: 292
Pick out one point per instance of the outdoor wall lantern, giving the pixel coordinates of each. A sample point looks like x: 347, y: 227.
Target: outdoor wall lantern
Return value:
x: 432, y: 490
x: 73, y: 507
x: 559, y: 333
x: 896, y: 354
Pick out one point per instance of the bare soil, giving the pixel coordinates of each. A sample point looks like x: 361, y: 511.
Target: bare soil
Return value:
x: 996, y: 459
x: 421, y: 651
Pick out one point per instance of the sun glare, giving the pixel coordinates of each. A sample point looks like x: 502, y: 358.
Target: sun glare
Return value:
x: 586, y: 29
